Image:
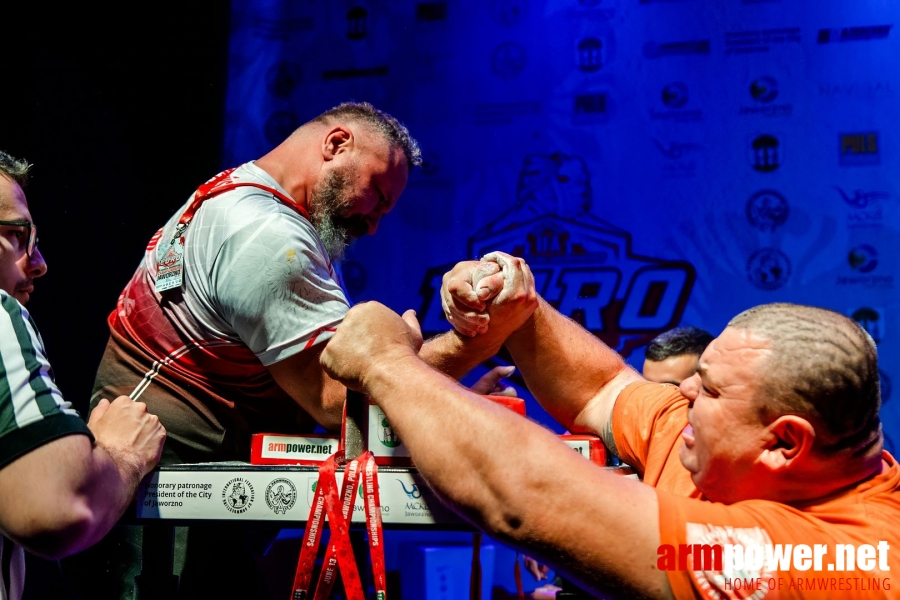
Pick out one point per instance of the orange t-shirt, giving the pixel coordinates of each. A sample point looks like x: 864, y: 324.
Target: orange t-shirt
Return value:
x: 647, y: 422
x: 863, y: 522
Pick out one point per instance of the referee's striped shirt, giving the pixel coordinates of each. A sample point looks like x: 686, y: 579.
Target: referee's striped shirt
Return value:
x: 32, y: 410
x: 32, y: 413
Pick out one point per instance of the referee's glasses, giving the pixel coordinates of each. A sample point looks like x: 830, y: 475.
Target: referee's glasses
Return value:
x: 30, y: 233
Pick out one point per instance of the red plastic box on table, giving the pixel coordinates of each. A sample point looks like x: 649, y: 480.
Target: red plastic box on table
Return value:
x: 589, y: 446
x: 289, y: 449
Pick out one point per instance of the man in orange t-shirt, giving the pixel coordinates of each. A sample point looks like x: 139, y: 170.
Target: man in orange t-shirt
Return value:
x: 777, y: 435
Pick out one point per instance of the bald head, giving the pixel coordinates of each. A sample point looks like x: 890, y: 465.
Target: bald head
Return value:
x: 823, y: 367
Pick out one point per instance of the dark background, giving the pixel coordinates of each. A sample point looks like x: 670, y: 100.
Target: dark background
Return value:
x: 121, y: 114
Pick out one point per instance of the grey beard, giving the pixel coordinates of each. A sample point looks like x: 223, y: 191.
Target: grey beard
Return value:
x: 328, y: 202
x: 334, y: 237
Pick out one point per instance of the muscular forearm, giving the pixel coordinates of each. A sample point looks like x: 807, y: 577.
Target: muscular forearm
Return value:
x: 515, y: 480
x: 65, y: 496
x: 563, y: 364
x: 455, y: 354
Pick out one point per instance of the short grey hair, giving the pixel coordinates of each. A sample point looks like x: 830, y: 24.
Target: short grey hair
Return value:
x: 394, y: 131
x: 823, y: 367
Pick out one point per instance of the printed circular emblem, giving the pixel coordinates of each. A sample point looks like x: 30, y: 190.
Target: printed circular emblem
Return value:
x: 767, y: 210
x: 675, y: 95
x: 281, y: 495
x: 508, y: 60
x: 237, y: 496
x: 768, y: 268
x: 508, y: 12
x: 863, y: 258
x: 282, y: 79
x: 764, y: 89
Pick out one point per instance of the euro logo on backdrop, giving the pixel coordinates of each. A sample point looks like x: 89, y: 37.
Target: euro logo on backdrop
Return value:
x: 582, y: 264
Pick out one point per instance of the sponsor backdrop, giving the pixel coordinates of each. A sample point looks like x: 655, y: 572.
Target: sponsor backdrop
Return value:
x: 657, y: 162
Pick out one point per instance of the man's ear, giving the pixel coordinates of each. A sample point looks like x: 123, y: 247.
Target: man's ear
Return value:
x: 338, y: 139
x: 790, y: 440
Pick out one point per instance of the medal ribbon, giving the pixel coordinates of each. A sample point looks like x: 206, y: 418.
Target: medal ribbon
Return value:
x: 339, y: 555
x: 373, y: 525
x: 340, y: 552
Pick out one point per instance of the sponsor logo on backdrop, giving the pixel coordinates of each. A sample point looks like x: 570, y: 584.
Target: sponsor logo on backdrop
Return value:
x: 283, y: 78
x: 767, y: 210
x: 433, y: 11
x: 768, y: 268
x: 280, y: 29
x: 238, y: 495
x: 863, y: 258
x: 854, y: 34
x: 675, y: 94
x: 859, y: 89
x: 281, y: 495
x: 674, y: 97
x: 508, y: 60
x: 679, y: 158
x: 760, y: 40
x: 763, y: 91
x: 855, y: 149
x: 582, y: 264
x: 862, y: 199
x: 593, y: 107
x: 508, y: 12
x: 591, y: 54
x: 765, y: 153
x: 867, y: 207
x: 660, y: 49
x: 279, y: 125
x: 357, y: 18
x: 871, y: 319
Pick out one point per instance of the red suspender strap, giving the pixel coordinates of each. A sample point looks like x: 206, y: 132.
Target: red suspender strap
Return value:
x: 223, y: 183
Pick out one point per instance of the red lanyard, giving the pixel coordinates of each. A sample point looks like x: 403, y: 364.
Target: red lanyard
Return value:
x: 223, y: 183
x: 340, y: 553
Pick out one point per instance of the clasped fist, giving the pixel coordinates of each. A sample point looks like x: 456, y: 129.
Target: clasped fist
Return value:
x: 370, y: 334
x: 495, y: 294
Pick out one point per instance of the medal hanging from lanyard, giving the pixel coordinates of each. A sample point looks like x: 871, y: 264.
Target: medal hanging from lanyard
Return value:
x: 170, y: 259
